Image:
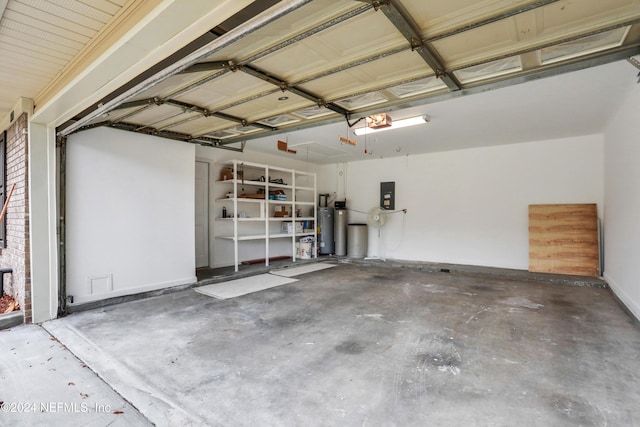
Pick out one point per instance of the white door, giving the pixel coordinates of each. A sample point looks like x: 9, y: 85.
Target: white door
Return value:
x: 202, y: 214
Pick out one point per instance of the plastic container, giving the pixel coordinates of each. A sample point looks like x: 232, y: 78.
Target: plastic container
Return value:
x: 305, y: 250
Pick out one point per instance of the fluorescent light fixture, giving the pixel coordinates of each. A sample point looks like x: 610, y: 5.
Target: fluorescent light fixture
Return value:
x: 402, y: 123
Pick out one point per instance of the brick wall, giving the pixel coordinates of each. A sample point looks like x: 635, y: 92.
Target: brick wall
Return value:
x: 16, y: 255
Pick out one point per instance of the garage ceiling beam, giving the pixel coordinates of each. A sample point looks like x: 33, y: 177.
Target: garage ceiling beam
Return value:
x: 284, y: 86
x: 139, y: 103
x: 208, y: 66
x: 176, y: 136
x: 186, y: 107
x: 404, y: 23
x: 206, y: 113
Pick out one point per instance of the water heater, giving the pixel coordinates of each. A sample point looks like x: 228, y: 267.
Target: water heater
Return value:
x: 325, y: 238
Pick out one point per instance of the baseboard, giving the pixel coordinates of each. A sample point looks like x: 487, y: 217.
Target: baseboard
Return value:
x: 625, y: 301
x: 82, y: 299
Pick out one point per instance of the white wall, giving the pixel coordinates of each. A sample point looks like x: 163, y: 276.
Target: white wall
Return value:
x: 130, y: 213
x: 470, y: 206
x: 622, y: 202
x: 221, y: 251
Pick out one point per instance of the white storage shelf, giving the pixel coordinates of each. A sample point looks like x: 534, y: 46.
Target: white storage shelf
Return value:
x: 256, y: 219
x: 289, y: 218
x: 263, y: 236
x: 245, y: 237
x: 242, y: 182
x: 260, y: 220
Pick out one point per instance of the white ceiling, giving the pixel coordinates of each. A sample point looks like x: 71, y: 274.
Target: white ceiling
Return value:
x: 39, y: 38
x: 572, y: 104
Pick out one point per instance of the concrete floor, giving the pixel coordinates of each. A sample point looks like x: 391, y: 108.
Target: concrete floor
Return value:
x: 370, y: 345
x: 44, y: 384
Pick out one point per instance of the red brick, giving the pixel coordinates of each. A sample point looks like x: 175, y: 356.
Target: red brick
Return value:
x: 16, y: 254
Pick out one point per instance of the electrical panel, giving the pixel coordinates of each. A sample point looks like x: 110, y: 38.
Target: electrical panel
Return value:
x: 388, y: 195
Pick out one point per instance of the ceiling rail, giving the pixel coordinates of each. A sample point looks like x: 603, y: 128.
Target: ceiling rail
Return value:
x: 407, y: 27
x: 284, y: 86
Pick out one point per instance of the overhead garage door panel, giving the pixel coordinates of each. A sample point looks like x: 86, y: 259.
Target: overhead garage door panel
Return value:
x: 487, y: 41
x: 435, y: 18
x: 564, y: 17
x: 226, y: 90
x: 297, y: 22
x: 369, y: 76
x: 175, y: 84
x: 363, y: 37
x: 530, y: 30
x: 202, y: 125
x: 157, y: 115
x: 268, y: 106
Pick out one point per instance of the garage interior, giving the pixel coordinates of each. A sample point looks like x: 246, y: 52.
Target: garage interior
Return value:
x: 140, y: 107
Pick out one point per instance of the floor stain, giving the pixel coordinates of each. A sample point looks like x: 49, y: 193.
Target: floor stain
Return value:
x: 439, y: 352
x: 576, y: 411
x: 522, y: 302
x: 350, y: 347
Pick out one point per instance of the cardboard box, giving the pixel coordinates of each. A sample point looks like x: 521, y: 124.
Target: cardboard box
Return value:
x: 287, y: 227
x: 226, y: 174
x: 280, y: 211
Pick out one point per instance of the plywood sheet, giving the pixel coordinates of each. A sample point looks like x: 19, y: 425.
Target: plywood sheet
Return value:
x: 563, y: 239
